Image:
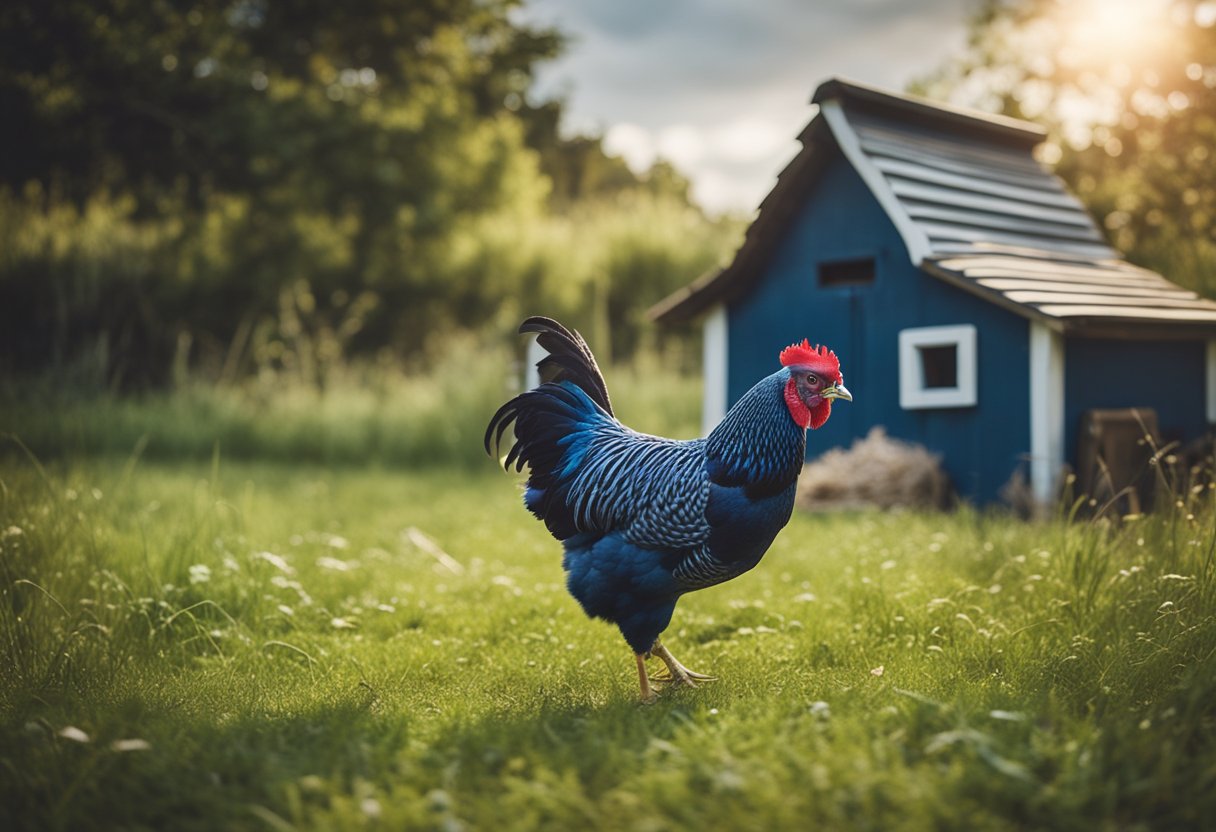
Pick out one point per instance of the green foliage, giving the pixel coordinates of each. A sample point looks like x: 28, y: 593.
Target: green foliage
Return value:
x: 267, y: 99
x: 240, y: 148
x: 598, y: 265
x: 247, y: 646
x: 208, y: 186
x: 89, y: 294
x: 1128, y: 93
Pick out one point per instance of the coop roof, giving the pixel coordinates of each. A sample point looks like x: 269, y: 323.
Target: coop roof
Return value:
x: 973, y: 207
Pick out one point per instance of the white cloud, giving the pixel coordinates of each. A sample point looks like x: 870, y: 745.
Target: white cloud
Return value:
x: 715, y: 190
x: 682, y: 144
x: 720, y: 191
x: 728, y: 164
x: 720, y: 88
x: 632, y: 143
x: 748, y: 140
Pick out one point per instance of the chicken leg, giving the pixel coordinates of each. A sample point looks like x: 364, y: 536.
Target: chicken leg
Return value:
x: 648, y: 694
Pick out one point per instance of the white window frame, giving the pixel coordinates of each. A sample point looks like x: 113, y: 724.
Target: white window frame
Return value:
x: 913, y: 395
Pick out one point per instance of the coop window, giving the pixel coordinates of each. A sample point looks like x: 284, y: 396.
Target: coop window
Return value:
x: 854, y: 272
x: 937, y: 367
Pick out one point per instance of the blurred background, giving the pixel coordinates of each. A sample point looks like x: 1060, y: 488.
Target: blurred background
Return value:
x: 306, y: 231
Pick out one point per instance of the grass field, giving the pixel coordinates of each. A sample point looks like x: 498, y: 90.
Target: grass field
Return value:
x: 247, y: 646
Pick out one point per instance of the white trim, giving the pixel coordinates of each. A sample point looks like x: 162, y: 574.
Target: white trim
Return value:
x: 1046, y: 410
x: 713, y: 355
x: 533, y: 353
x: 915, y: 239
x: 1211, y: 382
x: 913, y: 394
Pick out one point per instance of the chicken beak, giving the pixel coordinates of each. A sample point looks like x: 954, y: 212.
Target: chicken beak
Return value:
x: 837, y: 391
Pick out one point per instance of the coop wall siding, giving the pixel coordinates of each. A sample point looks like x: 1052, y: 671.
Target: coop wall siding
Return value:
x: 1168, y: 376
x: 982, y: 445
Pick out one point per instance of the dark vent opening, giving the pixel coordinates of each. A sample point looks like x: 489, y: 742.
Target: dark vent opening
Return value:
x: 939, y: 366
x: 847, y: 272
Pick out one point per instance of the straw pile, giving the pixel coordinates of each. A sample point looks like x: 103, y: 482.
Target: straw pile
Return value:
x: 876, y: 471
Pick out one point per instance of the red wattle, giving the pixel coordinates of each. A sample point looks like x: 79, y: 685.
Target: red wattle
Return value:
x: 820, y: 414
x: 799, y: 412
x: 803, y: 416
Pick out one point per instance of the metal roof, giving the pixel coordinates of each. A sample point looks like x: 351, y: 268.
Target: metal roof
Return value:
x: 1098, y: 295
x: 972, y: 206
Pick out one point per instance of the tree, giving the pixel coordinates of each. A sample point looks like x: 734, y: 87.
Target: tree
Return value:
x: 1128, y: 93
x: 227, y: 185
x: 273, y: 145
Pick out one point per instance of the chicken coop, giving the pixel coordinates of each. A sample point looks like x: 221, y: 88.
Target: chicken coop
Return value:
x: 975, y: 306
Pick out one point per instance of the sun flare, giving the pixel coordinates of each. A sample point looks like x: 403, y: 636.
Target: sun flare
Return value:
x: 1101, y: 34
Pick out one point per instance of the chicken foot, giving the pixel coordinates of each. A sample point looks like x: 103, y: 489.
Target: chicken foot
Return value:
x: 677, y: 674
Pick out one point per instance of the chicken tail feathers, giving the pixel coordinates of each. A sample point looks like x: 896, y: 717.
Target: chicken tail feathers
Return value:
x: 552, y: 427
x: 551, y: 423
x: 569, y: 362
x: 569, y: 359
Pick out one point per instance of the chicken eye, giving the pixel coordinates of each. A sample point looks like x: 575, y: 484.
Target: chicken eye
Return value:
x: 811, y: 379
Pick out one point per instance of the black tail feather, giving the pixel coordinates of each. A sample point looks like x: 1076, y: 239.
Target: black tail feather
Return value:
x: 569, y: 359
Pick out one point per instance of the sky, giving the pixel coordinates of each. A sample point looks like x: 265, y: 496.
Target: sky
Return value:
x: 721, y: 88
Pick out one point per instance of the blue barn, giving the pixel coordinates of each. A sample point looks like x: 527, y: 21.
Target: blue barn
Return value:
x: 975, y: 306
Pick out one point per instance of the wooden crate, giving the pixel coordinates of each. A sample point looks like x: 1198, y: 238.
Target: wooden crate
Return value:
x: 1115, y: 450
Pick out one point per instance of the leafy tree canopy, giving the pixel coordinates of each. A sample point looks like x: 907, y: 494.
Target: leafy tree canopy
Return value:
x: 1128, y: 92
x: 229, y: 178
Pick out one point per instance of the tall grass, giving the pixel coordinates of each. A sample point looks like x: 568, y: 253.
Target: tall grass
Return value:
x: 242, y: 646
x: 378, y: 415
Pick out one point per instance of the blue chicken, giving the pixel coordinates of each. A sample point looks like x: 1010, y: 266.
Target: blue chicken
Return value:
x: 643, y: 519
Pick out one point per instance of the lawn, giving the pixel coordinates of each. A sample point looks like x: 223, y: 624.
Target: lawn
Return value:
x: 265, y: 646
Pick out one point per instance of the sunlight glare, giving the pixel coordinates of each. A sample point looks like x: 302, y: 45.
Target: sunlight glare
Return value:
x: 1110, y: 33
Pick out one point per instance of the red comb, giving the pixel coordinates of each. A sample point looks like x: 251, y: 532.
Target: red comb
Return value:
x: 822, y: 359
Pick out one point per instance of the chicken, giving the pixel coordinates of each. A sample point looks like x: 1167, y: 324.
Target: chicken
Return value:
x: 642, y: 519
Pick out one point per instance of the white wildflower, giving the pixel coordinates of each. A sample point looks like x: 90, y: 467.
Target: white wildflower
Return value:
x: 337, y: 565
x: 276, y: 561
x: 134, y: 744
x: 200, y: 573
x: 71, y: 732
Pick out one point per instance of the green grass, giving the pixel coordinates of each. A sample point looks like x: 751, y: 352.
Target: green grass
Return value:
x: 883, y: 672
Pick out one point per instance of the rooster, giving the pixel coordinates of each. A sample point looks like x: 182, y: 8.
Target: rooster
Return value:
x: 644, y: 519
